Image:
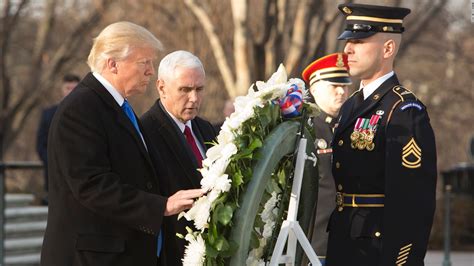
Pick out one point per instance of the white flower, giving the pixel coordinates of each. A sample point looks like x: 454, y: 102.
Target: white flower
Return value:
x: 199, y: 213
x: 268, y: 229
x: 210, y: 175
x: 225, y: 135
x: 254, y: 257
x: 223, y: 183
x: 269, y: 207
x: 213, y: 195
x: 195, y: 251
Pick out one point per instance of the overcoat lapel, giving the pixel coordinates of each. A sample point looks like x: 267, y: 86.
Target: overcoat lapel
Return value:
x: 169, y: 131
x: 122, y: 119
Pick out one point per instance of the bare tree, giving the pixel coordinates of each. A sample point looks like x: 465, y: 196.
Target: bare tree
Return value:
x: 28, y: 70
x: 289, y: 32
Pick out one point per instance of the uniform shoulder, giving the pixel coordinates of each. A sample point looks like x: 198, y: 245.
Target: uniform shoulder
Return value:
x: 355, y: 92
x: 404, y: 94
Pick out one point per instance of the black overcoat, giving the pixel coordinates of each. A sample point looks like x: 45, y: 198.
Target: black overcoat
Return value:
x: 104, y: 207
x: 181, y: 165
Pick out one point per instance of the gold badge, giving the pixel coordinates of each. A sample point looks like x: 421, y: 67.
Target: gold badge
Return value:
x: 355, y: 135
x: 376, y: 97
x: 340, y: 61
x: 346, y: 10
x: 370, y: 146
x: 361, y: 145
x: 411, y: 155
x: 321, y: 144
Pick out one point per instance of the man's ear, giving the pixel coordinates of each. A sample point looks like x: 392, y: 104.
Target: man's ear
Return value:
x: 111, y: 65
x: 160, y: 87
x: 389, y: 48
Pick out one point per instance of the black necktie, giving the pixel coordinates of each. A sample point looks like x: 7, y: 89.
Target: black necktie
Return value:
x: 358, y: 100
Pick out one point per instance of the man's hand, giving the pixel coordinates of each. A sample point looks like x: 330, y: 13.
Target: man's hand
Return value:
x: 182, y: 200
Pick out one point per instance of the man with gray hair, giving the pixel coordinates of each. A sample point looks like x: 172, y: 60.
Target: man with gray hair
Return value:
x: 177, y: 131
x: 104, y: 207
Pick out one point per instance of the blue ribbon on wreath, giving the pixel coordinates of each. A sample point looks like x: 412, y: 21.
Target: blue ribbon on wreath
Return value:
x: 292, y: 104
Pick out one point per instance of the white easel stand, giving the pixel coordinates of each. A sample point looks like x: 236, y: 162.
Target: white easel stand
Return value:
x: 291, y: 229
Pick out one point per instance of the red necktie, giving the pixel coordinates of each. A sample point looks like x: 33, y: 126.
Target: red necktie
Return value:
x: 193, y: 145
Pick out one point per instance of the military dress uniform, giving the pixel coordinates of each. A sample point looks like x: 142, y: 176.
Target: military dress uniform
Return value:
x: 384, y: 166
x: 331, y: 69
x: 323, y: 125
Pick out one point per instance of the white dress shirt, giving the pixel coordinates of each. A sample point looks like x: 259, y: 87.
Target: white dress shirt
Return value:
x: 372, y: 86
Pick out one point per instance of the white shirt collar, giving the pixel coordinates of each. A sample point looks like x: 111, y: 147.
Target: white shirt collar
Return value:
x: 113, y: 91
x: 372, y: 86
x: 180, y: 124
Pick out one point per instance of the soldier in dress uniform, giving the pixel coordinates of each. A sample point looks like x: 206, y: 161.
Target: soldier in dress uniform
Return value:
x: 329, y: 85
x: 384, y: 154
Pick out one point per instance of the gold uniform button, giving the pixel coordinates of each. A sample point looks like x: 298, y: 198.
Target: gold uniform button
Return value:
x: 377, y: 234
x: 340, y: 142
x: 338, y: 165
x: 339, y: 187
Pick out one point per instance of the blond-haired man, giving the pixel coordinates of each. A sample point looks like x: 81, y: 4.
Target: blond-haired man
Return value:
x: 104, y: 207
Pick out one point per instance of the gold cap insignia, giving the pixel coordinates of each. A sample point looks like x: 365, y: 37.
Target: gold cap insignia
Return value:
x: 347, y: 10
x: 411, y: 155
x: 340, y: 61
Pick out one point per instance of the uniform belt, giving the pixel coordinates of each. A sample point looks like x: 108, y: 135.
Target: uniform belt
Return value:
x: 359, y: 200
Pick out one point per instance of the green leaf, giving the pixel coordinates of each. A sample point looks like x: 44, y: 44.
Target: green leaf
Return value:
x: 281, y: 177
x: 212, y: 233
x: 237, y: 178
x: 232, y: 248
x: 211, y: 252
x: 256, y: 143
x: 221, y: 244
x: 224, y: 214
x: 254, y: 242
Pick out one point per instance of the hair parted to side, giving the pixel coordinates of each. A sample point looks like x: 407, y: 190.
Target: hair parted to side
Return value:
x: 177, y: 59
x: 117, y: 40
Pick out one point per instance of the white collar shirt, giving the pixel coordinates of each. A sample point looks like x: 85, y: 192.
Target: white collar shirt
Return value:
x: 372, y: 86
x: 181, y: 126
x: 117, y: 96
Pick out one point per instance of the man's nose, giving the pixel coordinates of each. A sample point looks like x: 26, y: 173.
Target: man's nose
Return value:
x: 150, y: 70
x: 193, y: 96
x: 348, y: 48
x: 340, y: 90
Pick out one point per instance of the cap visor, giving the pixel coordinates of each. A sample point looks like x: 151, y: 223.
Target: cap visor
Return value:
x: 339, y: 80
x: 352, y: 35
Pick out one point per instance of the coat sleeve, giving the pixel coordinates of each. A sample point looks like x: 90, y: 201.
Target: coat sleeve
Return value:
x: 82, y: 154
x: 410, y: 185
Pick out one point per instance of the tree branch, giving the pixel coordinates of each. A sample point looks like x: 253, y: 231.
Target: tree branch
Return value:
x: 419, y: 27
x: 298, y: 38
x: 216, y: 45
x: 241, y: 47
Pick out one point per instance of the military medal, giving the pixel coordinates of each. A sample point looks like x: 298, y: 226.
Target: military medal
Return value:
x: 361, y: 145
x: 370, y: 146
x: 357, y: 134
x: 322, y: 144
x: 372, y: 128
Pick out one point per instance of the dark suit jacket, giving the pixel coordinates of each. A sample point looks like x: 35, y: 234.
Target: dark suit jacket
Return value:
x: 401, y: 166
x: 42, y: 139
x: 169, y: 141
x: 104, y: 206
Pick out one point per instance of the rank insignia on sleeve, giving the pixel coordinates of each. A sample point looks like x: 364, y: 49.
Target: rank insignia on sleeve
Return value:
x: 411, y: 155
x: 403, y: 255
